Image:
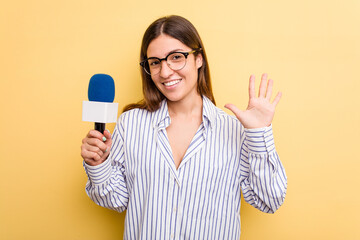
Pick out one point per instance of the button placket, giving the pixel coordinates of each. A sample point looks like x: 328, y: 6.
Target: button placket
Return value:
x: 178, y: 209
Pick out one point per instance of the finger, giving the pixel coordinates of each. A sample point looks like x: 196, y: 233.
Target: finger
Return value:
x: 269, y: 89
x: 108, y: 141
x: 277, y: 99
x: 88, y: 161
x: 106, y: 154
x: 96, y: 134
x: 87, y: 150
x: 234, y: 109
x: 107, y: 134
x: 92, y: 162
x: 97, y: 143
x: 91, y: 148
x: 262, y: 88
x: 252, y: 86
x: 90, y: 155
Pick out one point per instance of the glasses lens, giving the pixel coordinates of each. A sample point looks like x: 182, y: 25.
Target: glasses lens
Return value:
x: 176, y: 61
x: 152, y: 66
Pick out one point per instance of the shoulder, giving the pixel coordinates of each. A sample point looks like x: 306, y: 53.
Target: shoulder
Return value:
x: 134, y: 116
x: 216, y: 115
x: 222, y: 116
x: 219, y: 119
x: 227, y: 125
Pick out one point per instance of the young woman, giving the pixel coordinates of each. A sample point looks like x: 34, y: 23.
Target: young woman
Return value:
x: 176, y: 162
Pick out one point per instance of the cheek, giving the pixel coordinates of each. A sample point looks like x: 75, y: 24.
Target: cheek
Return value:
x: 195, y: 72
x: 192, y: 70
x: 155, y: 80
x: 156, y: 83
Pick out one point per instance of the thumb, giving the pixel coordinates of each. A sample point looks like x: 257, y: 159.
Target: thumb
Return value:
x: 107, y: 134
x: 234, y: 109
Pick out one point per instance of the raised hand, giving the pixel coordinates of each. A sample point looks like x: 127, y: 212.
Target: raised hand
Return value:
x: 260, y: 111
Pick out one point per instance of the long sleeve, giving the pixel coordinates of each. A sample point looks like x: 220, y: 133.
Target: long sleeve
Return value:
x: 107, y: 184
x: 264, y: 180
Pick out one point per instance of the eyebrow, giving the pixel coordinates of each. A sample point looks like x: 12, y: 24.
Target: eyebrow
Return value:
x: 172, y: 51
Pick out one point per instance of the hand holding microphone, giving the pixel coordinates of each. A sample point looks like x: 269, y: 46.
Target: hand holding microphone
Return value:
x: 95, y: 147
x: 100, y: 109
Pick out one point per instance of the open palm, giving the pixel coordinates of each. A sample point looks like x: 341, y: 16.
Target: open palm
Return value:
x: 260, y: 111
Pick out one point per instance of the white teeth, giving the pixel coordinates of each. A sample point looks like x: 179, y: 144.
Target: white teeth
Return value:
x: 168, y: 84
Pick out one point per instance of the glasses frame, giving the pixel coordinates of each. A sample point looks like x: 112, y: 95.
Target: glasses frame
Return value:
x: 186, y: 54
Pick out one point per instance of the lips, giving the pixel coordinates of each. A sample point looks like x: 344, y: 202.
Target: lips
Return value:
x: 171, y: 83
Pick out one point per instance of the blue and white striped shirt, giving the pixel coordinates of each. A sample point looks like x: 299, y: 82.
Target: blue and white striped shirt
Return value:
x: 200, y: 199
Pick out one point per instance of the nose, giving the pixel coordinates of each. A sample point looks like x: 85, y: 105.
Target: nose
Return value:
x: 165, y: 70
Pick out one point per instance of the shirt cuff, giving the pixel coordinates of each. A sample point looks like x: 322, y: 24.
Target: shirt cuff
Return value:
x: 260, y: 140
x: 100, y: 173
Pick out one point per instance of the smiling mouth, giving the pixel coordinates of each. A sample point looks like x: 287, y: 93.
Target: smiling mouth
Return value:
x: 171, y: 83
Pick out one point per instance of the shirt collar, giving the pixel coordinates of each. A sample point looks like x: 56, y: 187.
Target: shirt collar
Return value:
x: 209, y: 112
x: 162, y: 117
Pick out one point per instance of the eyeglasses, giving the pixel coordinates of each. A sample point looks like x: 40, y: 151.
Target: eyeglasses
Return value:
x: 175, y: 61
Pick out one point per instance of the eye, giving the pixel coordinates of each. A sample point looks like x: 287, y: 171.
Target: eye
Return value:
x: 176, y: 57
x: 153, y: 62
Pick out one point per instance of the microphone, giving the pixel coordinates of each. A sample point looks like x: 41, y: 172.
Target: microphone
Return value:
x: 100, y: 107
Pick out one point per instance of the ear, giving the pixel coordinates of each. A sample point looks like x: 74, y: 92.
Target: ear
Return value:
x: 199, y: 61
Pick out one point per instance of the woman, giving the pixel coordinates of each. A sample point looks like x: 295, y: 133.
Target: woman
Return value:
x: 176, y: 162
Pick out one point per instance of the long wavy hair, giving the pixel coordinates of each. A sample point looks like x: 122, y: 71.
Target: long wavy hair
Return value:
x: 184, y: 31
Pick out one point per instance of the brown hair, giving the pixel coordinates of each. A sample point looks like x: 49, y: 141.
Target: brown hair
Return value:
x: 184, y: 31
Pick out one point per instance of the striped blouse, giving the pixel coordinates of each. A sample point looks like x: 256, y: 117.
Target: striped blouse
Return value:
x: 200, y: 199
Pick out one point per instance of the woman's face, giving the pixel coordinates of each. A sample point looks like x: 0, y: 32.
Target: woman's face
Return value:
x: 180, y: 84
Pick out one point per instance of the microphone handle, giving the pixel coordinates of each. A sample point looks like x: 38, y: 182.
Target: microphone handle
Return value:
x: 100, y: 127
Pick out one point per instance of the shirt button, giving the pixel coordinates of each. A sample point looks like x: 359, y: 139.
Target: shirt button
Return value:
x: 175, y: 209
x: 172, y: 236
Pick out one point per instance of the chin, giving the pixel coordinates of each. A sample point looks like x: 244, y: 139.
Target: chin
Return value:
x: 173, y: 98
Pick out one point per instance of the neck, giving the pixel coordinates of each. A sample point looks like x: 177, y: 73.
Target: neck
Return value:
x: 186, y: 107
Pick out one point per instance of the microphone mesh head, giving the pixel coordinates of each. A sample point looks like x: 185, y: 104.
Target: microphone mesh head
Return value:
x: 101, y: 88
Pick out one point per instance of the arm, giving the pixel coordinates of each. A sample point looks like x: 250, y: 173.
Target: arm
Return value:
x: 106, y: 184
x: 263, y: 179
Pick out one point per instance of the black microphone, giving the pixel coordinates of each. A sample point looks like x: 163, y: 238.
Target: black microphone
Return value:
x: 100, y: 107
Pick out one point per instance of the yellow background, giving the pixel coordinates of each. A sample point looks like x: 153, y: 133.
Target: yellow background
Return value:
x: 50, y: 49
